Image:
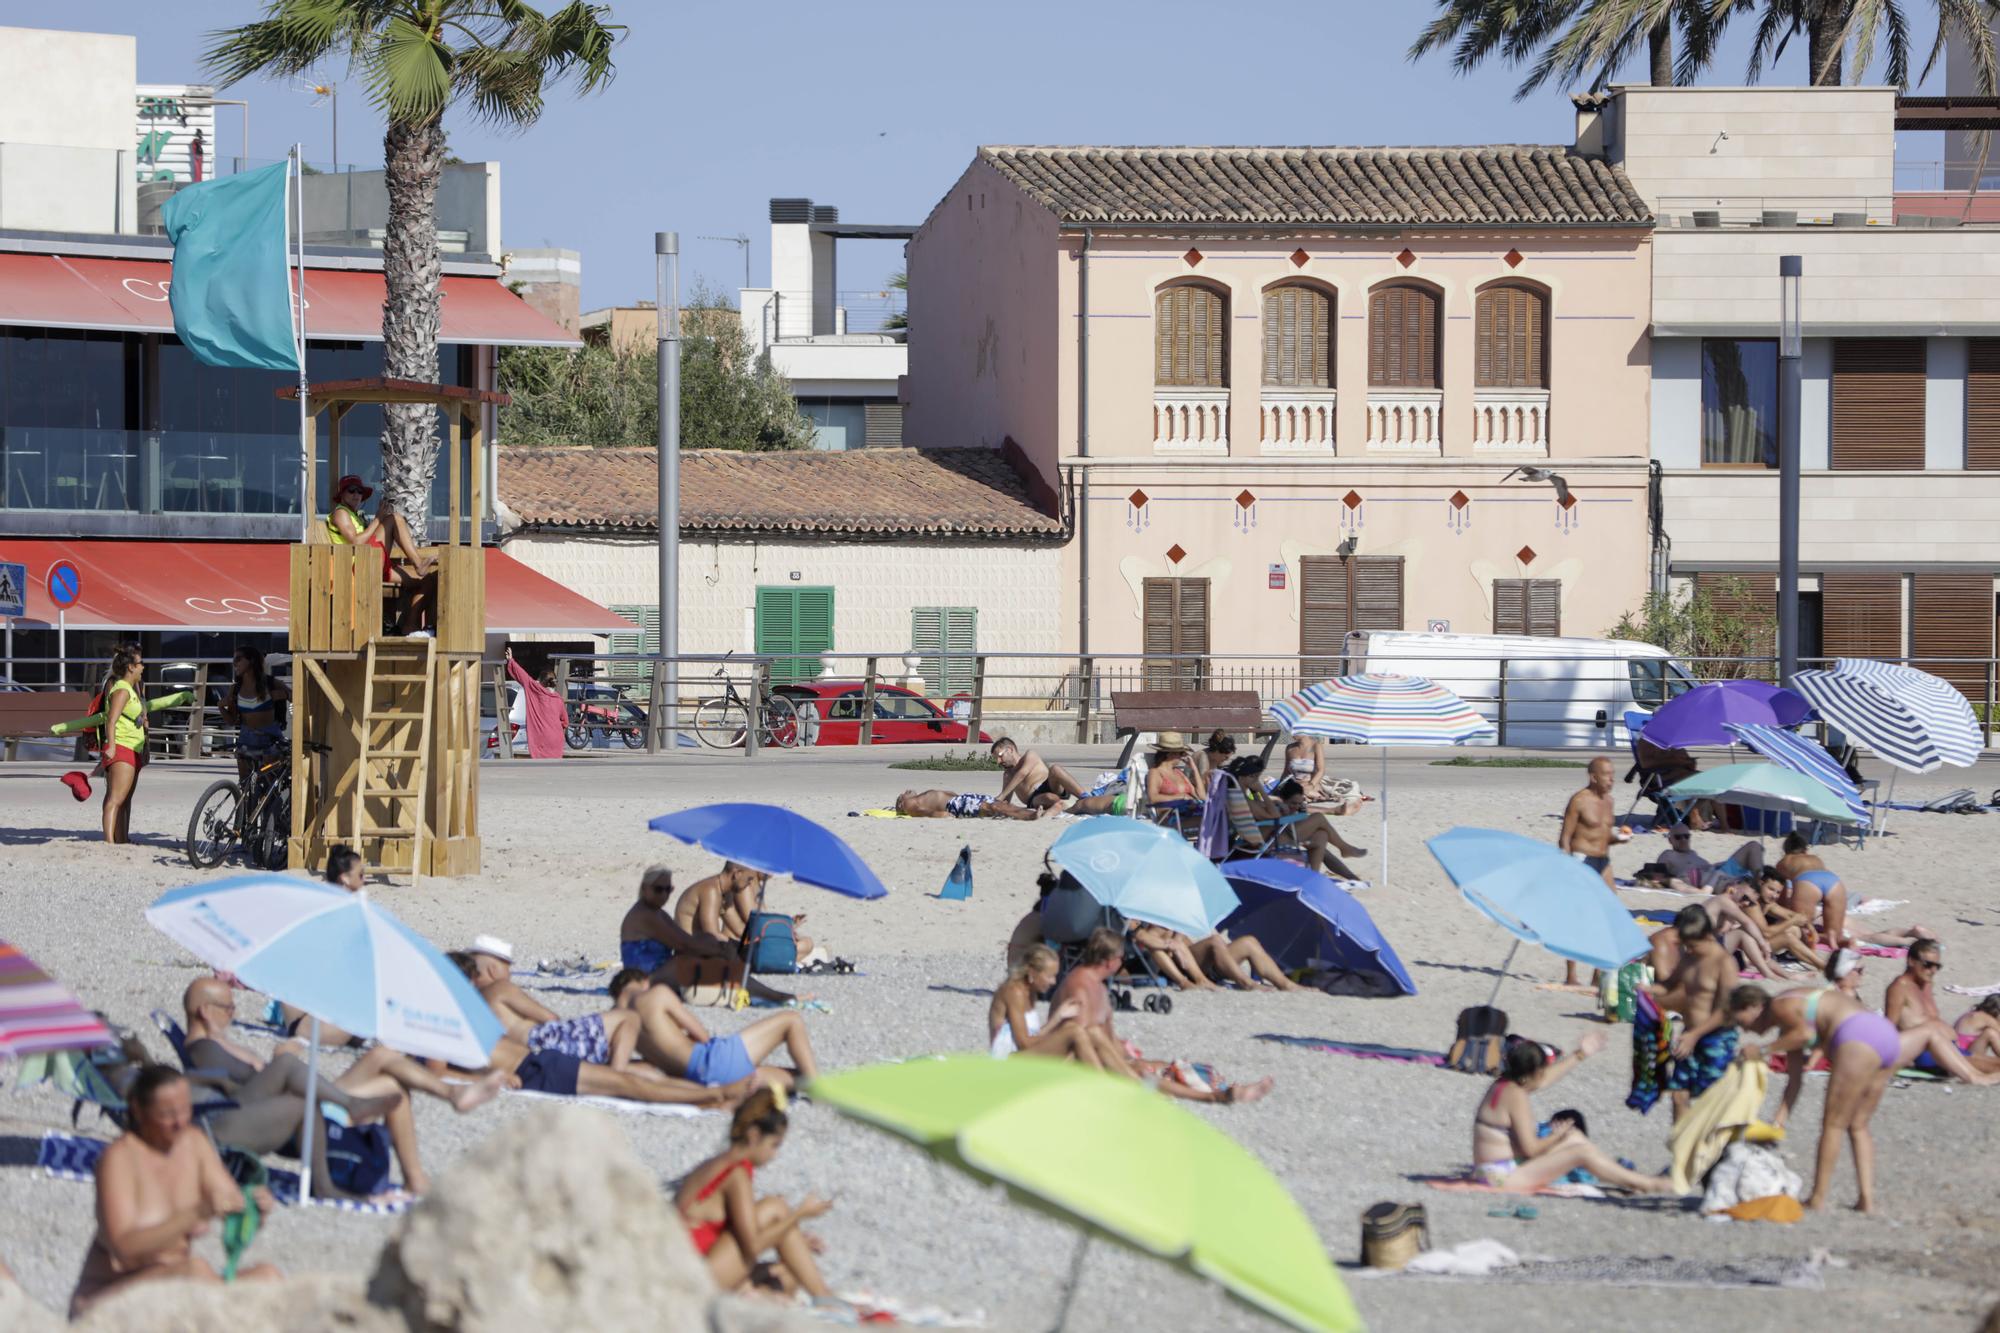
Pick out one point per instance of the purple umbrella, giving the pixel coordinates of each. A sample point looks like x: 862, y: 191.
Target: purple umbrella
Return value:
x: 1700, y: 716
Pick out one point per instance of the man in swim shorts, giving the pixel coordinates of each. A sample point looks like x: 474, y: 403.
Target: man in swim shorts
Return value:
x: 1586, y: 830
x: 1031, y: 780
x: 1698, y: 990
x: 649, y: 937
x: 935, y: 804
x: 671, y: 1038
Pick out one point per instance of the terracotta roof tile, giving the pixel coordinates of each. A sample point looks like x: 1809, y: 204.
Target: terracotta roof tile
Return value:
x: 858, y: 493
x: 1498, y: 185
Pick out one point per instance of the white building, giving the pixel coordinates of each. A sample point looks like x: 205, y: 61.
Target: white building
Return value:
x: 1899, y: 423
x: 839, y: 347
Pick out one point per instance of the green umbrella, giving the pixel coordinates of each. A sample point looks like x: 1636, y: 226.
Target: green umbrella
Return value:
x: 1119, y: 1158
x: 1764, y: 787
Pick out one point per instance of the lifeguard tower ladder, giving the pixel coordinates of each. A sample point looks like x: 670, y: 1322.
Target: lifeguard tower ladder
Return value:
x: 398, y: 717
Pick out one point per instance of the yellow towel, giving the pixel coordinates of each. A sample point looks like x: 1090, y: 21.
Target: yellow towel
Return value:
x: 1715, y: 1119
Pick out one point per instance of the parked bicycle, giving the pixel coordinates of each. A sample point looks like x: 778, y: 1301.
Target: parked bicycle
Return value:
x: 724, y: 721
x: 598, y: 713
x: 254, y: 815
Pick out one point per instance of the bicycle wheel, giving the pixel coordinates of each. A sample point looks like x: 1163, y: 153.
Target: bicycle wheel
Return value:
x: 781, y: 722
x: 721, y: 722
x: 634, y: 736
x: 212, y: 828
x: 270, y: 838
x: 577, y: 734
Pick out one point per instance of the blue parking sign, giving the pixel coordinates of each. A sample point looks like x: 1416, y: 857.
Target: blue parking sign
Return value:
x: 13, y: 590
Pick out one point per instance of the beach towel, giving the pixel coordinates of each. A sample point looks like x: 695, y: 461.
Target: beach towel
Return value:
x: 1727, y: 1105
x: 1876, y: 906
x: 1359, y: 1050
x: 1652, y: 1053
x: 74, y: 1157
x: 1467, y: 1185
x: 1213, y: 841
x: 1975, y: 991
x: 676, y: 1110
x: 876, y: 814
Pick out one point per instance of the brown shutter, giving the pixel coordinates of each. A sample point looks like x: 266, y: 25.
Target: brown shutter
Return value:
x: 1298, y: 338
x: 1878, y: 403
x: 1861, y: 615
x: 1378, y: 337
x: 1750, y: 594
x: 1190, y: 338
x: 1982, y: 404
x: 1275, y: 364
x: 1402, y: 338
x: 1176, y: 622
x: 1510, y: 606
x: 882, y: 425
x: 1378, y: 592
x: 1323, y: 616
x: 1509, y: 336
x: 1528, y: 606
x: 1191, y: 618
x: 1159, y: 602
x: 1951, y: 615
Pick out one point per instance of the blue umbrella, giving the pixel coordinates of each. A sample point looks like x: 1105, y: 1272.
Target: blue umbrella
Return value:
x: 1146, y: 872
x: 776, y: 841
x: 1541, y: 895
x: 1301, y: 917
x: 1703, y: 714
x: 1790, y: 750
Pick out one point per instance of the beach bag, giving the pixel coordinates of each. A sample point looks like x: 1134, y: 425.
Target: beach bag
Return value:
x: 357, y: 1157
x: 770, y: 945
x: 1482, y: 1035
x: 92, y: 738
x: 1392, y: 1234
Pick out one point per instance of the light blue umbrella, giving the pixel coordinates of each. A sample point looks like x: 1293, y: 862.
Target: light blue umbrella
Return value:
x: 776, y: 841
x: 1146, y: 872
x: 1765, y: 787
x: 1540, y: 895
x: 340, y: 957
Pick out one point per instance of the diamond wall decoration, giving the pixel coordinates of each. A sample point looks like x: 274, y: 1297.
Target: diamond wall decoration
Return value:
x: 1567, y: 501
x: 1526, y: 555
x: 1138, y: 499
x: 1175, y: 554
x: 1513, y: 258
x: 1407, y: 258
x: 1245, y: 499
x: 1299, y: 258
x: 1459, y: 499
x: 1352, y: 499
x: 1193, y: 257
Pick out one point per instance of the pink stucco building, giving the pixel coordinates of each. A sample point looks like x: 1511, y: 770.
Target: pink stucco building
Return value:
x: 1282, y: 389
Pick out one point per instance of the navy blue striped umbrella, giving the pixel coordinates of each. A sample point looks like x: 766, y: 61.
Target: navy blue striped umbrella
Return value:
x: 1790, y: 750
x: 1881, y: 721
x: 1947, y: 718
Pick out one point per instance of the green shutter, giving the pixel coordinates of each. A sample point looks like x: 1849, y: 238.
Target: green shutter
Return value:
x: 630, y: 675
x: 792, y: 621
x: 945, y: 640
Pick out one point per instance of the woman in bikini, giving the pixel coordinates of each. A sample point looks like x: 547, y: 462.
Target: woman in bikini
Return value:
x: 731, y: 1227
x: 1816, y: 892
x: 1305, y: 764
x: 1171, y: 777
x: 1979, y: 1029
x: 1507, y: 1152
x: 1015, y: 1027
x: 253, y: 706
x: 125, y: 741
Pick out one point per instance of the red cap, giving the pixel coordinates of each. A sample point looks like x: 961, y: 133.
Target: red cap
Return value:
x: 351, y: 482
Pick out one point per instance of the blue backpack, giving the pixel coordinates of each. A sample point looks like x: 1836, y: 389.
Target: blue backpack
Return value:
x: 357, y: 1157
x: 769, y: 943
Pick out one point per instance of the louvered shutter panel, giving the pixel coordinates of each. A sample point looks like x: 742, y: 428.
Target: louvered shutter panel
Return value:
x: 1323, y: 618
x: 1878, y: 403
x: 1746, y: 594
x: 1402, y: 330
x: 815, y: 630
x: 1510, y: 606
x: 1157, y: 595
x: 1320, y: 345
x: 944, y: 640
x: 1163, y: 336
x: 1982, y: 404
x: 1276, y: 365
x: 1190, y: 338
x: 882, y: 425
x: 1861, y: 615
x: 1509, y: 333
x: 1486, y: 342
x: 1951, y: 615
x: 1423, y: 306
x: 1298, y: 338
x: 927, y: 643
x: 1545, y: 608
x: 647, y: 640
x: 777, y: 630
x: 1378, y: 337
x: 1191, y: 617
x: 1378, y: 592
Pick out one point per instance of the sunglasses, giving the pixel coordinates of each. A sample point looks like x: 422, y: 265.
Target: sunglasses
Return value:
x: 1934, y: 964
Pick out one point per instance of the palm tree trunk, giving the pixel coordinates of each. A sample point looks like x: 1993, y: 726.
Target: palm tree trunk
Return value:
x: 1660, y: 48
x: 413, y: 160
x: 1823, y: 31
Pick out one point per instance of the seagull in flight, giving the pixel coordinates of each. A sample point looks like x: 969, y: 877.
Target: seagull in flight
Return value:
x: 1554, y: 479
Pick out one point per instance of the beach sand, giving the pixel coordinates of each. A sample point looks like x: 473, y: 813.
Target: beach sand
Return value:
x: 564, y: 845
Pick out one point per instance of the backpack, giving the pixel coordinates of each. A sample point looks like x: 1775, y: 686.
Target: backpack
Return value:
x: 357, y: 1157
x: 769, y: 944
x: 93, y: 736
x: 1482, y: 1036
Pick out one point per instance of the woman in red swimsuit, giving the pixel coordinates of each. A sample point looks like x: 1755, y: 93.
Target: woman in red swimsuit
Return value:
x: 731, y: 1226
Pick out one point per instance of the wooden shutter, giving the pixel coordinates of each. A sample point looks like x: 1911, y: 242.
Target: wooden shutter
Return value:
x: 1510, y: 339
x: 1402, y: 338
x: 793, y: 621
x: 945, y: 640
x: 1510, y: 606
x: 1378, y: 592
x: 1750, y: 594
x: 1323, y: 616
x: 1878, y: 403
x: 1298, y: 338
x: 1190, y: 326
x: 814, y: 629
x: 1951, y: 615
x: 647, y: 640
x: 1861, y: 615
x: 1982, y: 404
x: 1176, y: 616
x: 1528, y: 607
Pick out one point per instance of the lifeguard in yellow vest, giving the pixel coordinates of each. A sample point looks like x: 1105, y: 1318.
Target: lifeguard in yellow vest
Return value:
x: 345, y: 528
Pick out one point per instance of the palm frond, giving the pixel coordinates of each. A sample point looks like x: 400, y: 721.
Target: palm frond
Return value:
x: 408, y: 72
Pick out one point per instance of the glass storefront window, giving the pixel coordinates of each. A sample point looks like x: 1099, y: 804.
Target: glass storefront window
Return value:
x: 1739, y: 402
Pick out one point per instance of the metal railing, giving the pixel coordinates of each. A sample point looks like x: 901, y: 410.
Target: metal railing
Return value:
x: 1706, y: 212
x: 790, y: 316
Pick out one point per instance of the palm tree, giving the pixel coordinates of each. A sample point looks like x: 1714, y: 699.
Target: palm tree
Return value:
x: 416, y: 58
x: 1833, y: 27
x: 1577, y: 38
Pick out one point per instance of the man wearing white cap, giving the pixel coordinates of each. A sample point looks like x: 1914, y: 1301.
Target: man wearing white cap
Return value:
x: 493, y: 974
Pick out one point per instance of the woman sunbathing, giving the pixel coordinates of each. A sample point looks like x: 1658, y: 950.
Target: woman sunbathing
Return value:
x: 1507, y: 1150
x: 1979, y: 1030
x: 1200, y: 964
x: 1014, y: 1026
x: 732, y: 1228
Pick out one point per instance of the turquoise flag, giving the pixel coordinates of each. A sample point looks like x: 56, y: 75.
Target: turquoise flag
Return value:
x: 231, y: 289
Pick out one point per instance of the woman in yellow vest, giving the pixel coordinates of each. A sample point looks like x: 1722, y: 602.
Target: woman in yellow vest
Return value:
x: 386, y: 531
x: 124, y: 741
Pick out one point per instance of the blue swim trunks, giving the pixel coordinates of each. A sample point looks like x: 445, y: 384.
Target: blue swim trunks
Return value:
x: 649, y: 956
x: 549, y: 1071
x: 720, y: 1060
x: 583, y: 1037
x: 966, y: 805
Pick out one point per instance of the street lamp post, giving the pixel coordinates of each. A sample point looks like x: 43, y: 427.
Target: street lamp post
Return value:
x: 1790, y: 349
x: 667, y: 276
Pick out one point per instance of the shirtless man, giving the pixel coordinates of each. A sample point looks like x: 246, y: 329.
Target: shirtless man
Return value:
x: 1911, y: 1004
x: 1685, y: 870
x: 1698, y: 990
x: 936, y: 804
x: 158, y: 1188
x: 493, y: 977
x: 1031, y: 780
x: 1586, y: 831
x: 1103, y: 954
x: 671, y: 1038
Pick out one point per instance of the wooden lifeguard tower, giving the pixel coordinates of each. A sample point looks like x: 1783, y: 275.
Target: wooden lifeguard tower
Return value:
x: 398, y: 717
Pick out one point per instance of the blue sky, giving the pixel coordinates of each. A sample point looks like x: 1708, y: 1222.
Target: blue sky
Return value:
x: 877, y: 106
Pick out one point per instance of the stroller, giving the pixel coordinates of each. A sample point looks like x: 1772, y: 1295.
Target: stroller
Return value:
x: 1070, y: 914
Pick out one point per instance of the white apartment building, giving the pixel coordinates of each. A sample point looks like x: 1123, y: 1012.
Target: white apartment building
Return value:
x: 1899, y: 423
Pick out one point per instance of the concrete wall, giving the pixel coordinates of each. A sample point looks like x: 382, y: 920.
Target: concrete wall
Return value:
x: 1693, y: 147
x: 1902, y: 519
x: 550, y: 280
x: 66, y: 130
x: 343, y: 203
x: 994, y: 353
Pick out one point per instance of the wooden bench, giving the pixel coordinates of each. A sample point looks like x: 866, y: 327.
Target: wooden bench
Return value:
x: 1195, y: 713
x: 29, y: 715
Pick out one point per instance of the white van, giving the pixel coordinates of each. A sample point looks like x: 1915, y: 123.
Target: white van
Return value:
x: 1561, y: 693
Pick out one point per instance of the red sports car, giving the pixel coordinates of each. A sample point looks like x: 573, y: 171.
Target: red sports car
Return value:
x: 902, y: 716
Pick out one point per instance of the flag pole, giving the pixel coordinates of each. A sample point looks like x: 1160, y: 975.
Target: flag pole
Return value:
x: 308, y: 503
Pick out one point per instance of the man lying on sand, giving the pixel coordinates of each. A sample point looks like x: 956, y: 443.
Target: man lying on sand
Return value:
x: 1031, y: 780
x: 671, y: 1038
x: 1684, y: 870
x: 492, y: 976
x: 935, y: 804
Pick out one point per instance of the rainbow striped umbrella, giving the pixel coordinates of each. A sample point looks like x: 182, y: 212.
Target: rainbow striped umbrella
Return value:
x: 1382, y: 710
x: 38, y: 1014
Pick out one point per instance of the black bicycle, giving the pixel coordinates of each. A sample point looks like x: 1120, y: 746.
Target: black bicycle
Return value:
x: 255, y: 815
x: 724, y: 721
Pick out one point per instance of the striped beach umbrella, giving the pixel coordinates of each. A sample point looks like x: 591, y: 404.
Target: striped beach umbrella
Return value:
x: 1883, y: 722
x: 1382, y: 710
x: 1947, y: 717
x: 38, y: 1014
x: 1790, y: 750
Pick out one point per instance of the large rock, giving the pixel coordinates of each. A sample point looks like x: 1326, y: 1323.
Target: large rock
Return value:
x: 550, y: 1223
x: 312, y: 1303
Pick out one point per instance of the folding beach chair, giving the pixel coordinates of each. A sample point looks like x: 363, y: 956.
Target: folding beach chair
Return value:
x: 1652, y: 786
x: 1251, y: 836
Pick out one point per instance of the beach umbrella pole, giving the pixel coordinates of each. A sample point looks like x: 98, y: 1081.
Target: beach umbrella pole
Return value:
x: 1075, y: 1276
x: 306, y: 1126
x: 1503, y: 972
x: 1385, y: 817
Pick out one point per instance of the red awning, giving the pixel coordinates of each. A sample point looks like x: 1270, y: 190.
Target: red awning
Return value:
x: 130, y: 295
x: 232, y: 587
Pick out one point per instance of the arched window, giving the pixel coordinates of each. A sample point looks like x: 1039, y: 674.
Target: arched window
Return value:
x: 1298, y: 337
x: 1403, y: 337
x: 1191, y: 337
x: 1511, y: 325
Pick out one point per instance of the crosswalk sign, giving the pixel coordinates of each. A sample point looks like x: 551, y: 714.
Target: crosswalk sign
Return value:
x: 13, y: 590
